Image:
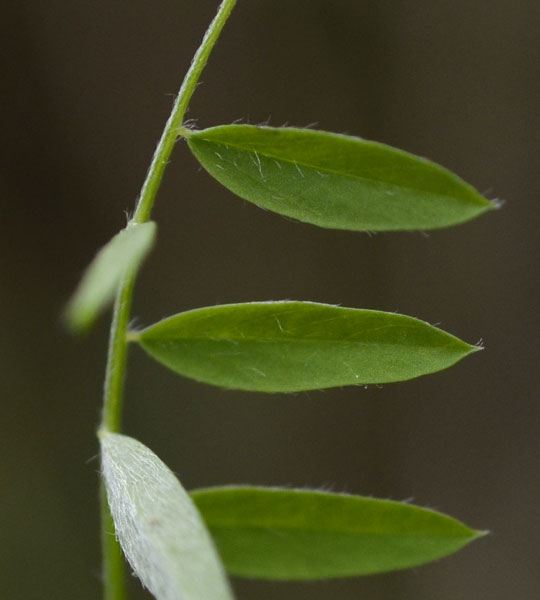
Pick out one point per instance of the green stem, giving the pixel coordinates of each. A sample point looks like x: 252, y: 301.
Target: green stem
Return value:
x: 114, y: 568
x: 114, y: 578
x: 113, y: 561
x: 172, y: 128
x: 117, y: 357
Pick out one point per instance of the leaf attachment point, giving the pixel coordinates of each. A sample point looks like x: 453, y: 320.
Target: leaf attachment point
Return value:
x: 158, y: 526
x: 270, y: 533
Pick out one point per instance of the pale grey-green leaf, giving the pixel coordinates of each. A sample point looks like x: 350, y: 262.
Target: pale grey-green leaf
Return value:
x: 334, y: 181
x: 158, y: 526
x: 121, y: 255
x: 295, y: 346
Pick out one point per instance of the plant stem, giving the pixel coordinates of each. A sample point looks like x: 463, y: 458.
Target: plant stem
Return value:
x: 114, y: 577
x: 113, y: 563
x: 171, y: 131
x: 117, y: 357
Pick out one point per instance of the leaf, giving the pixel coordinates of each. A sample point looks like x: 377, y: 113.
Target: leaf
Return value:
x: 295, y: 346
x: 158, y: 526
x: 123, y: 254
x: 334, y: 181
x: 300, y: 534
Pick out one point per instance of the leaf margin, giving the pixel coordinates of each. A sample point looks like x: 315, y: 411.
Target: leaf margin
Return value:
x: 202, y: 495
x: 142, y: 338
x: 211, y: 135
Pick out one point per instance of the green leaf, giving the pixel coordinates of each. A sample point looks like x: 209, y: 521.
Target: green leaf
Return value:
x: 295, y: 346
x: 299, y: 534
x: 122, y: 255
x: 334, y: 181
x: 158, y: 526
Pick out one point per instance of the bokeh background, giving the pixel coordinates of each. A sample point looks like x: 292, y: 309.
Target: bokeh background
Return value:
x: 87, y: 88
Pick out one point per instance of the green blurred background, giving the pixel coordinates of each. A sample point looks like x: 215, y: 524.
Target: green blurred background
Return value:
x: 88, y: 86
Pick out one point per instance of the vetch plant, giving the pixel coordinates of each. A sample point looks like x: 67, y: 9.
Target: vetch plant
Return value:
x: 181, y: 545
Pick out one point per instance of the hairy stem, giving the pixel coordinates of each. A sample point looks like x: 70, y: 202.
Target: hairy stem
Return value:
x: 172, y: 128
x: 114, y: 570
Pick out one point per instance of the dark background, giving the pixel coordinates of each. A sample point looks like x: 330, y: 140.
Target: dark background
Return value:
x: 88, y: 86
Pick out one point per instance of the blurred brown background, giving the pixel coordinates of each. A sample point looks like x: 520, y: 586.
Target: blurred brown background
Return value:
x: 87, y: 87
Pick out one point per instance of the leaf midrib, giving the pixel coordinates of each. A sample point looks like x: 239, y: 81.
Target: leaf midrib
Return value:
x: 280, y: 528
x: 238, y: 341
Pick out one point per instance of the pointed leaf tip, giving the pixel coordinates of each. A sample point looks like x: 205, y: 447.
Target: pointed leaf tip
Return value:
x: 335, y: 181
x: 297, y: 346
x: 284, y: 534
